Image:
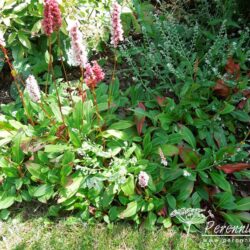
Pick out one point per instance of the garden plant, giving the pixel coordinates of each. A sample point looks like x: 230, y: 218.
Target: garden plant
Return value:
x: 126, y: 111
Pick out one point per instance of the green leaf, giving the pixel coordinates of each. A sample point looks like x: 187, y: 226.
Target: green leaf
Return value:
x: 243, y: 204
x: 204, y: 164
x: 226, y: 200
x: 170, y: 174
x: 4, y: 215
x: 150, y: 221
x: 228, y: 108
x: 232, y: 219
x: 241, y: 116
x: 167, y: 223
x: 47, y: 57
x: 75, y: 138
x: 243, y: 216
x: 188, y: 136
x: 108, y: 196
x: 11, y: 37
x: 56, y: 148
x: 128, y: 187
x: 171, y: 201
x: 115, y: 133
x: 78, y: 115
x: 42, y: 190
x: 71, y: 189
x: 220, y: 181
x: 6, y: 202
x: 174, y: 138
x: 20, y: 7
x: 17, y: 153
x: 130, y: 210
x: 34, y: 169
x: 113, y: 213
x: 53, y: 210
x: 185, y: 190
x: 68, y: 158
x: 122, y: 125
x: 36, y: 27
x: 24, y: 39
x: 169, y: 150
x: 55, y: 109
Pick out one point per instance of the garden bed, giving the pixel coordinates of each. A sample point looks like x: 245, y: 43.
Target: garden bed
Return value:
x: 143, y: 120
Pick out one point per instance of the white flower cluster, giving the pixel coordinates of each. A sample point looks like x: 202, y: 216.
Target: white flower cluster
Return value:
x: 186, y: 173
x: 164, y: 161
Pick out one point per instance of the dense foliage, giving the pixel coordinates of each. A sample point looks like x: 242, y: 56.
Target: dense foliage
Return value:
x: 171, y: 134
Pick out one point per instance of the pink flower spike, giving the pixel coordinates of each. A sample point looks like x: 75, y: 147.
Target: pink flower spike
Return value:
x: 52, y: 17
x: 33, y: 88
x: 98, y: 72
x: 117, y: 30
x: 77, y: 55
x: 93, y: 74
x: 143, y: 179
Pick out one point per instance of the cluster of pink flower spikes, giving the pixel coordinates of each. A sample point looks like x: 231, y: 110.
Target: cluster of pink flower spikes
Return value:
x: 52, y: 22
x: 52, y: 17
x: 93, y: 74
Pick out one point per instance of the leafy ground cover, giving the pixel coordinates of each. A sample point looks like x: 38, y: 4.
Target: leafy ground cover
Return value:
x: 166, y: 128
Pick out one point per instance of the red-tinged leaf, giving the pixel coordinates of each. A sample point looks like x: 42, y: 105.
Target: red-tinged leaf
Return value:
x: 163, y: 212
x: 92, y: 210
x: 246, y: 94
x: 160, y: 100
x: 242, y: 104
x: 233, y: 68
x: 221, y: 89
x: 235, y: 167
x: 140, y: 121
x: 212, y: 190
x: 60, y: 131
x: 189, y: 157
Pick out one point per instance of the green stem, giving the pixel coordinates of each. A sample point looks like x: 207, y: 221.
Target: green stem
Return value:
x: 62, y: 63
x: 54, y: 82
x: 97, y: 110
x: 112, y: 81
x: 49, y: 65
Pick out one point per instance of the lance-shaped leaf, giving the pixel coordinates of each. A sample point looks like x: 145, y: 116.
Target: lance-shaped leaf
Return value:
x: 235, y: 167
x: 140, y: 119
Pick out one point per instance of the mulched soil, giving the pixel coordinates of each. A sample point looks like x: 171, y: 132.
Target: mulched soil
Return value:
x: 5, y: 96
x: 5, y: 83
